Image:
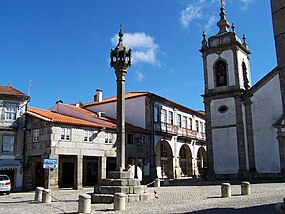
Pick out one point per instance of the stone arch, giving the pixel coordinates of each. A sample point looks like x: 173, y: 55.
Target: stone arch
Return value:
x: 164, y: 160
x: 185, y: 160
x: 221, y: 73
x: 201, y: 159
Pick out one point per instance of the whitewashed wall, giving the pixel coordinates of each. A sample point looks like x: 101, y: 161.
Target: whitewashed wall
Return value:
x: 266, y: 110
x: 225, y: 151
x: 135, y: 110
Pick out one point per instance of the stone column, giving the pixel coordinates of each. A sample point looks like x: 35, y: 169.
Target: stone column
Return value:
x: 240, y: 136
x: 121, y: 145
x: 102, y: 168
x: 79, y: 174
x: 120, y: 61
x: 53, y: 177
x: 281, y: 143
x: 249, y: 135
x: 209, y: 142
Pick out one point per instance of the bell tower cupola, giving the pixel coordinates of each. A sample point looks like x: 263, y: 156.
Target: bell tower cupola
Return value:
x: 226, y: 59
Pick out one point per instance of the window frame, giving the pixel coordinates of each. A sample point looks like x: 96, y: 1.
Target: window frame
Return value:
x: 8, y: 144
x: 65, y: 134
x: 36, y: 135
x: 88, y: 135
x: 156, y: 114
x: 179, y: 120
x: 108, y: 138
x: 170, y: 117
x: 10, y: 111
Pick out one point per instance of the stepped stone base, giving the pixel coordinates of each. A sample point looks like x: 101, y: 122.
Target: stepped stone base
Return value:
x: 120, y: 182
x: 109, y: 198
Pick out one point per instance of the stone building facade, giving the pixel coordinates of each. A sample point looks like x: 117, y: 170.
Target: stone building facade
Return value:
x: 82, y: 142
x: 245, y: 122
x: 177, y: 143
x: 13, y: 104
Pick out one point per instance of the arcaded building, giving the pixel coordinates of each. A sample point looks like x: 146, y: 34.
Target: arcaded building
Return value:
x: 177, y: 142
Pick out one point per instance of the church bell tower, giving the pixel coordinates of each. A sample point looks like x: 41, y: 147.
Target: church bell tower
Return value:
x: 226, y: 78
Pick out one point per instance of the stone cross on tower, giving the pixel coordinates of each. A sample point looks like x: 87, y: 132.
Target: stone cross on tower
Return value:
x: 120, y: 61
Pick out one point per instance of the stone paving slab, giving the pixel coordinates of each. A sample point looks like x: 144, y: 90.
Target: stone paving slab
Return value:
x: 198, y: 199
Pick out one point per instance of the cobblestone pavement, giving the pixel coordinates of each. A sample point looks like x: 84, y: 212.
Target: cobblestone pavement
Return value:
x: 182, y: 196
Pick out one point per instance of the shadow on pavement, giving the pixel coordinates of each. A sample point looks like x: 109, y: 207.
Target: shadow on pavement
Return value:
x: 188, y: 181
x: 262, y: 209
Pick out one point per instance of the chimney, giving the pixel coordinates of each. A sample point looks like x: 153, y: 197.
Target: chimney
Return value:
x: 99, y: 96
x: 59, y: 102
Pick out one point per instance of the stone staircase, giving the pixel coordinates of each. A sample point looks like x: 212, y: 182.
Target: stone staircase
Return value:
x: 120, y: 182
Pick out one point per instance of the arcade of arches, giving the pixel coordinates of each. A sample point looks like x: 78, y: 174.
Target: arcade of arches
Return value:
x: 185, y: 164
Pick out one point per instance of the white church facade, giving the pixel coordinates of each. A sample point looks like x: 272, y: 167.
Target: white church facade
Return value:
x: 245, y: 127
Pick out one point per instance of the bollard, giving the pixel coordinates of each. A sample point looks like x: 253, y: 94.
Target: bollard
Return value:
x: 39, y: 194
x: 245, y: 188
x: 120, y: 201
x: 84, y: 203
x: 226, y: 190
x: 46, y: 196
x: 166, y: 182
x: 157, y: 182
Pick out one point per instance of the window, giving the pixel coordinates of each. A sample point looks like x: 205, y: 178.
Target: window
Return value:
x: 184, y: 122
x: 130, y: 138
x: 155, y: 114
x: 10, y: 111
x: 7, y: 144
x: 141, y: 140
x: 179, y: 120
x: 88, y: 135
x: 163, y: 150
x: 170, y: 117
x: 65, y: 134
x: 163, y: 116
x: 221, y: 73
x: 190, y: 123
x: 108, y: 138
x: 201, y: 127
x: 197, y: 125
x: 36, y: 135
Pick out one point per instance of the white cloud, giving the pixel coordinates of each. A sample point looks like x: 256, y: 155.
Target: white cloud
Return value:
x: 139, y: 76
x: 144, y: 49
x: 201, y: 12
x: 211, y: 21
x: 197, y: 11
x: 191, y: 13
x: 245, y: 4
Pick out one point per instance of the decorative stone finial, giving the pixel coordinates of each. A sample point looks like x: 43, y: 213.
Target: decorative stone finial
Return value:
x: 244, y: 41
x: 120, y: 56
x: 233, y: 27
x: 204, y: 41
x: 223, y: 24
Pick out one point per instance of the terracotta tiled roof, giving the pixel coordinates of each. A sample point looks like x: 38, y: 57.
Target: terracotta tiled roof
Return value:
x: 138, y: 94
x: 111, y: 99
x: 112, y: 122
x: 8, y: 90
x: 50, y: 116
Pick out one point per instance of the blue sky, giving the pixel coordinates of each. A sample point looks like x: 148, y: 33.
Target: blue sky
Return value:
x: 62, y: 46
